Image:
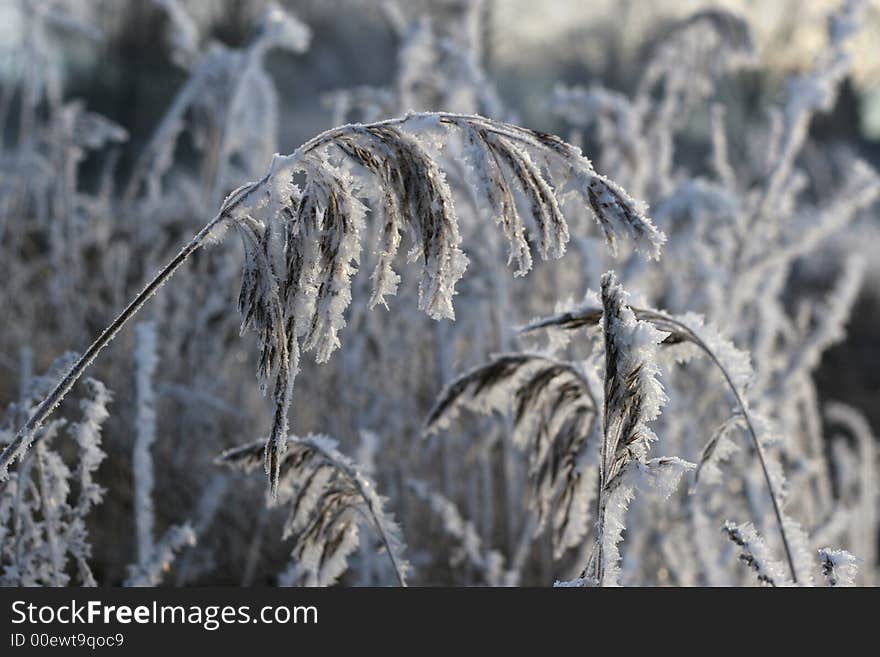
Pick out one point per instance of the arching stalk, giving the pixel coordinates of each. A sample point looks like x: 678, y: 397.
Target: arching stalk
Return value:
x: 23, y: 438
x: 659, y: 320
x: 591, y: 316
x: 618, y: 213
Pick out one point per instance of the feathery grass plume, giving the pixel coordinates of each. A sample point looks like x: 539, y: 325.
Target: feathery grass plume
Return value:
x: 698, y: 51
x: 469, y: 547
x: 839, y: 567
x: 734, y: 367
x: 756, y: 555
x: 638, y: 134
x: 633, y: 396
x: 301, y: 244
x: 555, y: 421
x: 328, y: 497
x: 718, y: 40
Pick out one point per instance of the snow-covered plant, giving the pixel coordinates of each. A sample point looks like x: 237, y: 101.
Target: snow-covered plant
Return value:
x: 733, y: 365
x: 771, y: 238
x: 747, y: 234
x: 756, y: 555
x: 638, y: 133
x: 301, y: 245
x: 229, y: 103
x: 45, y: 504
x: 632, y: 397
x: 438, y: 65
x: 328, y: 499
x: 561, y: 420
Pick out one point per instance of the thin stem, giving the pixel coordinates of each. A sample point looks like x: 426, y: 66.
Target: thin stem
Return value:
x: 50, y: 518
x: 381, y: 530
x: 659, y: 318
x: 24, y: 437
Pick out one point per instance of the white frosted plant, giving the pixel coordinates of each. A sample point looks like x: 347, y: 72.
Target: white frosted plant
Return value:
x: 146, y: 361
x: 766, y: 242
x: 638, y: 133
x: 756, y: 555
x: 690, y: 332
x: 328, y: 498
x: 633, y: 396
x: 555, y: 423
x: 228, y: 105
x: 561, y: 420
x: 682, y: 334
x: 438, y: 66
x: 301, y: 243
x: 45, y: 504
x: 838, y: 566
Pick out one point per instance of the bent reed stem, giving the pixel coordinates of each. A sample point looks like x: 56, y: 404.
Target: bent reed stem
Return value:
x: 24, y: 437
x: 658, y: 319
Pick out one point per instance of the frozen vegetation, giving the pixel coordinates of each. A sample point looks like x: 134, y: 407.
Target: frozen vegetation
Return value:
x: 576, y: 360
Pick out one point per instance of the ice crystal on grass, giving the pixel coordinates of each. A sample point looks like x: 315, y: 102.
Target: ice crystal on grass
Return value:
x: 838, y: 566
x: 633, y: 394
x: 756, y: 555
